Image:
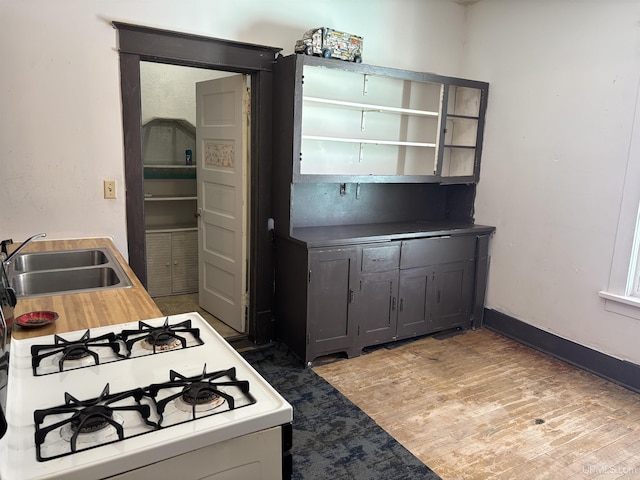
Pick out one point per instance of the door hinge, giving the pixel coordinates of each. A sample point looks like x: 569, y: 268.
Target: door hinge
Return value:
x: 308, y: 338
x: 245, y: 299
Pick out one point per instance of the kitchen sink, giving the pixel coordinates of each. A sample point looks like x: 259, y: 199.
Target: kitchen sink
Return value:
x: 29, y: 262
x: 66, y: 271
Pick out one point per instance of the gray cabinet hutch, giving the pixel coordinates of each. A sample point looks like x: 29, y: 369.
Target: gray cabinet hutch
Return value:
x: 375, y: 171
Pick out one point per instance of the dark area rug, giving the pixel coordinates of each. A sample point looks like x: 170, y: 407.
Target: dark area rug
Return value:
x: 332, y: 438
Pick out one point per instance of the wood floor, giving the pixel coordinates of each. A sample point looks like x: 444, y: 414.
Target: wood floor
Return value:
x: 175, y: 304
x: 480, y: 406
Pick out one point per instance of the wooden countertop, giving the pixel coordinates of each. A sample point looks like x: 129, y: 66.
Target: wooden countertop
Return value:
x: 91, y: 309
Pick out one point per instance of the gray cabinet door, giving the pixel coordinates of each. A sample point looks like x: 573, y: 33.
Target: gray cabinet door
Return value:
x: 435, y: 298
x: 453, y: 292
x: 415, y: 308
x: 377, y: 312
x: 332, y: 281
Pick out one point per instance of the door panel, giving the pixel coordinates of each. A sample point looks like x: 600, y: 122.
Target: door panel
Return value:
x: 415, y: 311
x: 158, y: 264
x: 184, y: 255
x: 377, y: 307
x: 331, y: 283
x: 454, y: 291
x: 221, y: 158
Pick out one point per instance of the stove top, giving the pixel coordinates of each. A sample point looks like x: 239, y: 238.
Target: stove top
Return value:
x: 121, y: 397
x: 86, y: 349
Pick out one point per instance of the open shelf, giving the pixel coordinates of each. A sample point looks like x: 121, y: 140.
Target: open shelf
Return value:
x: 171, y: 228
x: 164, y: 198
x: 169, y: 172
x: 372, y: 142
x: 366, y: 107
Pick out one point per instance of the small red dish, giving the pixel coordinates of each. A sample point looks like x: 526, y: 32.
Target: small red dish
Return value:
x: 36, y: 319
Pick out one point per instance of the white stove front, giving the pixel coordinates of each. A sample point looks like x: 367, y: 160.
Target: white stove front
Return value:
x: 261, y: 410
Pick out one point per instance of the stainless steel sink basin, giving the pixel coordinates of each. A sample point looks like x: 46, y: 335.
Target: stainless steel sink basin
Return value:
x: 65, y: 280
x: 30, y: 262
x: 66, y: 271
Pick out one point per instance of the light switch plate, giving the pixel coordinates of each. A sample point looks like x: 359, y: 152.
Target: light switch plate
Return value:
x: 109, y: 189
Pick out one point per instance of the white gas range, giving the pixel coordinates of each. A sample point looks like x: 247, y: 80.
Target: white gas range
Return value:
x: 163, y: 398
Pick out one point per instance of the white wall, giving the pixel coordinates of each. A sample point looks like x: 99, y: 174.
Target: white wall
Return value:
x: 61, y: 132
x: 169, y: 91
x: 564, y: 78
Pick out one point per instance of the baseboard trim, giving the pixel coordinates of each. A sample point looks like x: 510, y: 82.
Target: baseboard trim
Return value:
x: 621, y: 372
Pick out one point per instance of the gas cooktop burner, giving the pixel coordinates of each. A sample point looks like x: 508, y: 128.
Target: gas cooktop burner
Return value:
x: 200, y: 393
x: 83, y: 424
x: 163, y: 338
x: 183, y: 398
x: 65, y: 354
x: 70, y: 354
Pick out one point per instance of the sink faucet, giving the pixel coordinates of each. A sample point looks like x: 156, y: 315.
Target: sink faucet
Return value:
x: 6, y: 257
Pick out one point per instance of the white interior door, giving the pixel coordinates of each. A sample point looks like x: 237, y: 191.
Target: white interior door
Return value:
x: 222, y: 126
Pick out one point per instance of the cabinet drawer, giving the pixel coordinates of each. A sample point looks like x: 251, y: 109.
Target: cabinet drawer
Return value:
x: 422, y: 252
x: 380, y: 258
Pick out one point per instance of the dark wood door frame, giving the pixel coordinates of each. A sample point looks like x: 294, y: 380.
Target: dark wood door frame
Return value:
x: 136, y: 44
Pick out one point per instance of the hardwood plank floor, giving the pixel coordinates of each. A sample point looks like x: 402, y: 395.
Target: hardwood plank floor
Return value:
x: 478, y: 405
x: 185, y: 303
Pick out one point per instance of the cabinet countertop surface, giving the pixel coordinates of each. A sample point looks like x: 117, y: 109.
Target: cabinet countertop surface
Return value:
x: 81, y: 311
x: 383, y: 232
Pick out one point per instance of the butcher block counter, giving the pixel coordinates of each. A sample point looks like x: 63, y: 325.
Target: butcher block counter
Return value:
x: 79, y: 311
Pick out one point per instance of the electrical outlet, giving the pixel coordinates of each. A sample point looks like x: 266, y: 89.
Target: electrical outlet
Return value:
x: 109, y: 189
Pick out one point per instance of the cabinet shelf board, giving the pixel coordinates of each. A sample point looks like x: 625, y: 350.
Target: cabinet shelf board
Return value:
x: 369, y: 69
x: 343, y: 178
x: 165, y: 198
x: 169, y: 172
x: 372, y: 142
x: 170, y: 228
x: 372, y: 108
x: 170, y: 166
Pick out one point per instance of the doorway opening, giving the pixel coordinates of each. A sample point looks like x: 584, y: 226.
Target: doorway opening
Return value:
x: 138, y: 44
x: 195, y: 148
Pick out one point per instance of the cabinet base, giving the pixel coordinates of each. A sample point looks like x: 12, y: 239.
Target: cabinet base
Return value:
x: 323, y: 358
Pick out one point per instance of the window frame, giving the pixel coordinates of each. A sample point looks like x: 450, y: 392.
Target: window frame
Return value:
x: 622, y: 294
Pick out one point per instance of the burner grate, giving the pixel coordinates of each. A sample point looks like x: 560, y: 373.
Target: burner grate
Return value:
x: 64, y: 354
x: 80, y: 425
x: 70, y: 350
x: 200, y: 396
x: 72, y: 427
x: 162, y: 338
